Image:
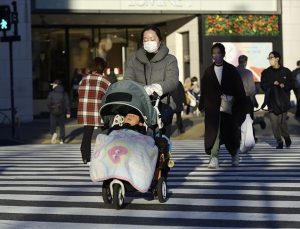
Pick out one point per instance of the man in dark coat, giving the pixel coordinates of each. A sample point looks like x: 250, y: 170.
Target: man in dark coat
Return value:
x: 280, y: 78
x: 296, y: 77
x: 223, y: 100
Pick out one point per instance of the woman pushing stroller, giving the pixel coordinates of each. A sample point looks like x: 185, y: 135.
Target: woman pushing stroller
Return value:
x: 153, y: 67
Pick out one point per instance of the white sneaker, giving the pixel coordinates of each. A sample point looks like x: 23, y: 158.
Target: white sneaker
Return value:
x: 89, y: 163
x: 61, y: 142
x: 213, y: 163
x: 53, y: 139
x: 235, y: 160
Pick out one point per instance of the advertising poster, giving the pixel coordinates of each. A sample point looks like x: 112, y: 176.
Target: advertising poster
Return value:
x: 257, y: 53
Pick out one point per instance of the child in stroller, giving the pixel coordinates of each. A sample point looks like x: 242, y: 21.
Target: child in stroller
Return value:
x: 133, y: 120
x: 134, y: 156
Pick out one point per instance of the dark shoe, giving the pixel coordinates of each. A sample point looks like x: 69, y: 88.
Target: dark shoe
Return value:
x: 288, y: 142
x: 85, y: 161
x: 279, y: 145
x: 262, y: 124
x: 181, y: 131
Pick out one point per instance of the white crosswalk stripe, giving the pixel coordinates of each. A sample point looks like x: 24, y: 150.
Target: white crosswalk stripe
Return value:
x: 47, y: 186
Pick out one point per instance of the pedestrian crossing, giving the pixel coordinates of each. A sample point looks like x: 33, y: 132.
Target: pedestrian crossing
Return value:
x: 47, y: 186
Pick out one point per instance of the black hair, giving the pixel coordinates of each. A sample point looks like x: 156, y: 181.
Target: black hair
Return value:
x: 220, y: 46
x: 243, y: 59
x: 98, y: 65
x: 194, y: 78
x: 276, y: 55
x: 298, y: 63
x: 151, y: 27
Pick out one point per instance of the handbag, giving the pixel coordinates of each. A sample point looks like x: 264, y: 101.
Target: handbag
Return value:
x: 247, y: 136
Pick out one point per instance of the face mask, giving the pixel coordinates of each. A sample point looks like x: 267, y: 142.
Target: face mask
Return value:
x: 54, y: 85
x: 150, y: 46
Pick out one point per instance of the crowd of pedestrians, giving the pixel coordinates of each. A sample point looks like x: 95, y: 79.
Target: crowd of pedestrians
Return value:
x: 224, y: 95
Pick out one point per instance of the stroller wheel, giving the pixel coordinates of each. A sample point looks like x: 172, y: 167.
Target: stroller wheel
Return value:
x: 162, y: 190
x: 106, y: 195
x: 118, y: 198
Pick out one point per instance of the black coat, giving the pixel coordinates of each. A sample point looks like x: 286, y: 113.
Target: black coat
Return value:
x: 210, y: 101
x: 269, y: 76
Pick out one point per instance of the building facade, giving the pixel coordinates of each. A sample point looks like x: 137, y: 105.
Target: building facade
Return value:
x: 60, y: 36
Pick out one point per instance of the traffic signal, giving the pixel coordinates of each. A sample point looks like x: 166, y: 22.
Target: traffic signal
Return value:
x: 5, y: 18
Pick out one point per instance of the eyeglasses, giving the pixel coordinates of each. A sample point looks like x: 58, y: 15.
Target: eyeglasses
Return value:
x: 270, y: 58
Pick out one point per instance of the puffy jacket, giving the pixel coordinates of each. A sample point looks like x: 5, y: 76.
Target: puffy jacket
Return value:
x: 161, y: 69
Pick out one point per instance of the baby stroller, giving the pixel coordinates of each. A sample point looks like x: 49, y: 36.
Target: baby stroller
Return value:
x: 121, y: 98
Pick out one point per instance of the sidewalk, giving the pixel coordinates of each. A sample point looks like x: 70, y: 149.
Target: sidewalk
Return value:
x: 37, y: 131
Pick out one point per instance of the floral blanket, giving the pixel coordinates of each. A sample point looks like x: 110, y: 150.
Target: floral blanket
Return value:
x: 127, y: 155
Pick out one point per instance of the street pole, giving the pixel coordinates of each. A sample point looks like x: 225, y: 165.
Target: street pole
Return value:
x: 12, y: 97
x: 10, y: 40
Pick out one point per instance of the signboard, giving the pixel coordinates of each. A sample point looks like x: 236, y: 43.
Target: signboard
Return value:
x: 160, y: 6
x: 257, y: 53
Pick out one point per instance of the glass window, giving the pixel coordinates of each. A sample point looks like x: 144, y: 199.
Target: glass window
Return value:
x: 48, y: 59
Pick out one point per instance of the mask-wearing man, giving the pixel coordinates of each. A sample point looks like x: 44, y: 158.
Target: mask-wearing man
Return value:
x: 274, y: 78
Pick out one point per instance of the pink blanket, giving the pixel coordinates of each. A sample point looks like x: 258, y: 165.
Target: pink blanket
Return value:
x: 127, y: 155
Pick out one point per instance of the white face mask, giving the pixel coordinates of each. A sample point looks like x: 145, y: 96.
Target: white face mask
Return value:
x: 150, y: 46
x: 54, y: 85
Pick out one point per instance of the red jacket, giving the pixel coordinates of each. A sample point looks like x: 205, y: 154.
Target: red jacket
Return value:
x: 91, y: 90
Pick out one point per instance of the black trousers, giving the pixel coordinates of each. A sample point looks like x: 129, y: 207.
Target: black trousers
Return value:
x: 86, y: 142
x: 57, y: 120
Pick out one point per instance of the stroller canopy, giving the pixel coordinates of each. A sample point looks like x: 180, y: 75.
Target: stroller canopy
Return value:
x: 121, y: 97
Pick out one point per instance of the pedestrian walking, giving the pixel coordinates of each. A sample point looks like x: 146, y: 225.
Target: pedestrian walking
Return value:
x: 223, y: 101
x: 153, y: 67
x: 249, y: 85
x: 277, y: 82
x: 179, y: 98
x: 59, y: 106
x: 92, y: 88
x: 296, y: 77
x: 75, y: 84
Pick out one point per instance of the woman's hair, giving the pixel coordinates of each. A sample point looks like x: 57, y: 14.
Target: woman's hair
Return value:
x: 98, y: 65
x: 220, y: 46
x: 154, y: 28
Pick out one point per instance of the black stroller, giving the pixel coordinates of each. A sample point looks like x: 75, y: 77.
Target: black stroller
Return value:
x: 120, y: 99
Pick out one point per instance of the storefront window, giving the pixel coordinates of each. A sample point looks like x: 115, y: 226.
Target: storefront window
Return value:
x: 81, y: 53
x: 48, y: 59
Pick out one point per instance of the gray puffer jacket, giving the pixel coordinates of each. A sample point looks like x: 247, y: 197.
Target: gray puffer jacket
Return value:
x: 161, y: 69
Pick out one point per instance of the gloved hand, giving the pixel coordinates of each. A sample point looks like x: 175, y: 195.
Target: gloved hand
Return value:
x: 150, y: 89
x: 157, y: 88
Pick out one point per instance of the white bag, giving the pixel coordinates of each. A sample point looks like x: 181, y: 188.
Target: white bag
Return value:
x: 247, y: 137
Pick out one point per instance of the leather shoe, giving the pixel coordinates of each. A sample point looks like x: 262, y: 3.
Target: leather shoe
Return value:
x: 279, y: 145
x: 288, y: 142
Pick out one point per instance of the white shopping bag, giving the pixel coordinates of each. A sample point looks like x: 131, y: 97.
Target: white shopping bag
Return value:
x: 247, y: 137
